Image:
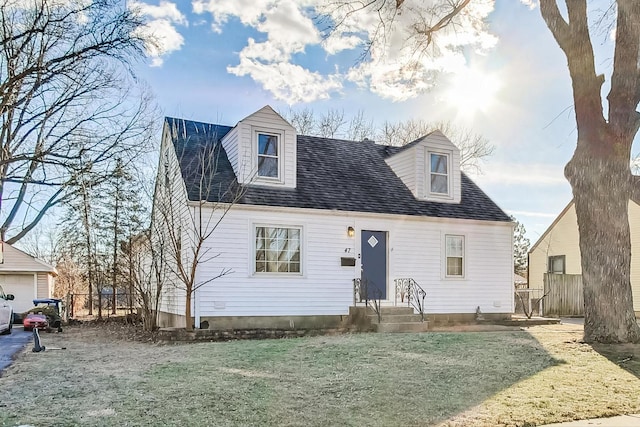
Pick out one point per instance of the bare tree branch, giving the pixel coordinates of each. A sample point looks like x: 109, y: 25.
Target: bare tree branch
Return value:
x: 65, y: 93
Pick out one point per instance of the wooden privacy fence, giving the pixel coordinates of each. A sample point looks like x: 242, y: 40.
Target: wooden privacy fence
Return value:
x: 564, y: 295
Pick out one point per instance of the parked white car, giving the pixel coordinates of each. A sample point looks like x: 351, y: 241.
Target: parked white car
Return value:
x: 6, y: 312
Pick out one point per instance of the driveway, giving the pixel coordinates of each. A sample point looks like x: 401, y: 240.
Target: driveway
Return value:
x: 572, y: 320
x: 11, y: 344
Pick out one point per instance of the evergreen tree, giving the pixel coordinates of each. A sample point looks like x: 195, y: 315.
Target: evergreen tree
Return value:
x: 520, y: 248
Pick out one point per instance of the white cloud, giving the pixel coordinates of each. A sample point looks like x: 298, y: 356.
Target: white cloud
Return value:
x: 159, y: 32
x: 398, y: 65
x: 288, y: 82
x: 333, y: 45
x: 289, y: 31
x: 165, y: 10
x: 531, y: 3
x: 163, y: 39
x: 247, y: 11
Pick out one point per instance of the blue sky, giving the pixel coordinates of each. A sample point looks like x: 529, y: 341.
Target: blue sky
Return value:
x: 214, y: 66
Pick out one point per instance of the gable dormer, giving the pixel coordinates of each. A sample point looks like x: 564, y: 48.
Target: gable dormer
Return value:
x: 262, y: 150
x: 430, y: 168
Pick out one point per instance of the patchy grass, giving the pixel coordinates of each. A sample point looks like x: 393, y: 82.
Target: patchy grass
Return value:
x: 583, y: 385
x: 451, y: 379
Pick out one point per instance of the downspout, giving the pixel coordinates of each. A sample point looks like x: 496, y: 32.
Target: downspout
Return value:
x: 196, y: 309
x: 194, y: 300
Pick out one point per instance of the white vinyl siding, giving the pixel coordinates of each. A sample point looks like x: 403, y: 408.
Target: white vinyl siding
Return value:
x: 44, y: 289
x: 230, y: 145
x: 326, y: 288
x: 264, y: 121
x: 412, y: 166
x: 404, y: 165
x: 170, y: 209
x: 25, y: 277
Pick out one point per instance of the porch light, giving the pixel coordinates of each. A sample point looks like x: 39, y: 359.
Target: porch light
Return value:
x: 350, y: 231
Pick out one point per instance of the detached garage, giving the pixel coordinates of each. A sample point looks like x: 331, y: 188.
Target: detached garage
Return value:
x: 25, y: 277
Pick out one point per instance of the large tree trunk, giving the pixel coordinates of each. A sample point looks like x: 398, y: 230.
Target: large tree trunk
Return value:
x: 599, y: 170
x: 601, y: 193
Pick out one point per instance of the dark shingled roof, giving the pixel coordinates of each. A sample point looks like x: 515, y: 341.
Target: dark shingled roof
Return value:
x: 332, y: 174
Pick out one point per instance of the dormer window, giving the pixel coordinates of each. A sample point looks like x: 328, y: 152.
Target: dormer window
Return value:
x: 438, y: 174
x: 268, y: 155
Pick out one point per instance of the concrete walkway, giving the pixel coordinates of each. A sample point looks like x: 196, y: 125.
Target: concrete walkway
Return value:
x: 619, y: 421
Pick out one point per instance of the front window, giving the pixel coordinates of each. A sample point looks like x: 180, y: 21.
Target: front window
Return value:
x: 556, y: 264
x: 268, y: 155
x: 278, y: 250
x: 439, y: 173
x: 455, y: 256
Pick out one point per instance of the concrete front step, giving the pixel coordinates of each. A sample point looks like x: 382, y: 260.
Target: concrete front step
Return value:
x: 391, y: 310
x: 401, y: 327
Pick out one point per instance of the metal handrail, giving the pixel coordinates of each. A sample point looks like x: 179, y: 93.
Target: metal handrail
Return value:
x: 410, y: 291
x: 364, y: 292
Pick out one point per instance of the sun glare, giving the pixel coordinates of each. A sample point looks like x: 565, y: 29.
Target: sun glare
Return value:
x: 472, y: 91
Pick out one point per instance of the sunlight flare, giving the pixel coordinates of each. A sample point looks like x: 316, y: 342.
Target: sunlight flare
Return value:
x: 472, y: 91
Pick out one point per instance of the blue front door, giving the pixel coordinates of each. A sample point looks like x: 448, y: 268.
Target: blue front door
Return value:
x: 373, y: 260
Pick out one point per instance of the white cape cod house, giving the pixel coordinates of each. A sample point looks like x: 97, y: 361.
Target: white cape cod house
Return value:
x: 314, y: 216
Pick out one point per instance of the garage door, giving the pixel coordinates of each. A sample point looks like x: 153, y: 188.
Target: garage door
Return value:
x: 21, y: 286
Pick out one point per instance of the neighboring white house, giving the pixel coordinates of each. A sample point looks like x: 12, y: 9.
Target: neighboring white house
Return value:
x: 25, y: 277
x: 316, y: 213
x: 558, y: 250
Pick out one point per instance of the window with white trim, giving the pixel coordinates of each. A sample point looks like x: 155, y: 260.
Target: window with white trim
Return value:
x: 454, y: 247
x: 439, y: 173
x: 278, y: 250
x: 268, y: 155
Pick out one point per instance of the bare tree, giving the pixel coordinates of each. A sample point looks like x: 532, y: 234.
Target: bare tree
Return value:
x: 474, y: 148
x: 599, y: 171
x: 360, y: 128
x: 66, y: 94
x: 43, y: 243
x: 147, y: 274
x: 331, y: 123
x: 304, y: 121
x: 71, y: 283
x: 186, y: 227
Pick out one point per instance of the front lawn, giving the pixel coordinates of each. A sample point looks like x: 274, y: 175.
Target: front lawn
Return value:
x: 488, y: 378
